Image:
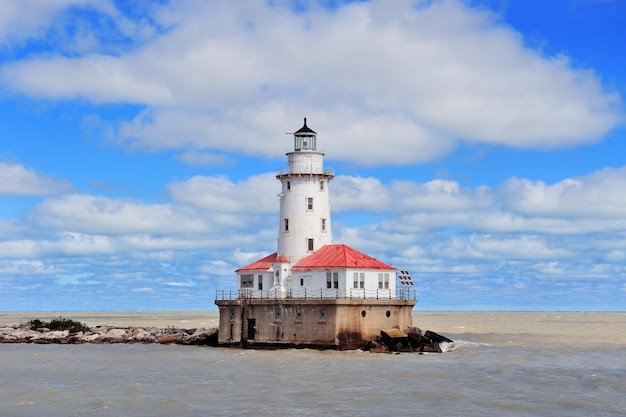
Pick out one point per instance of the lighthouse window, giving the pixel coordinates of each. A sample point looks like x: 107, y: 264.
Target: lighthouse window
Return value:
x: 309, y: 203
x: 286, y: 225
x: 247, y: 280
x: 260, y: 282
x: 322, y: 185
x: 335, y: 279
x: 323, y: 225
x: 309, y: 244
x: 383, y: 281
x: 329, y: 279
x: 359, y: 280
x: 288, y: 185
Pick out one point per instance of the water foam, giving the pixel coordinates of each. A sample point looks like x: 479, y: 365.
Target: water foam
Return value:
x: 459, y: 344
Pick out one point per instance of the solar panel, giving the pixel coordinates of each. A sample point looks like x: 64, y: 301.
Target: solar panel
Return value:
x: 405, y: 278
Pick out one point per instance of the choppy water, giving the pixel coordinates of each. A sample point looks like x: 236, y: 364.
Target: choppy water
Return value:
x: 502, y: 364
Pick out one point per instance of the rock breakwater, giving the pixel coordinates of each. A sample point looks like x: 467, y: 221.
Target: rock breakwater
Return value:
x: 109, y: 334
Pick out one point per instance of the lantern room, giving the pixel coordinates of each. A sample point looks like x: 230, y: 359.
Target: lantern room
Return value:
x: 304, y: 139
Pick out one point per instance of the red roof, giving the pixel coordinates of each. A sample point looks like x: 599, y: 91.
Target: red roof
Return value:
x: 339, y: 256
x: 264, y: 264
x: 260, y: 265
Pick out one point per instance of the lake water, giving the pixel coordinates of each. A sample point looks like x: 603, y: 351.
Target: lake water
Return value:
x: 501, y: 364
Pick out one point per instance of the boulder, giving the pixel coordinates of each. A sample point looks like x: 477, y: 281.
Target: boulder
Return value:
x: 142, y: 336
x: 166, y: 339
x: 116, y: 336
x: 429, y: 342
x: 436, y: 338
x: 201, y: 337
x: 396, y: 340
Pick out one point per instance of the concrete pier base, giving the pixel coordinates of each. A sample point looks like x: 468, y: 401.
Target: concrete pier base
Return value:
x: 330, y: 323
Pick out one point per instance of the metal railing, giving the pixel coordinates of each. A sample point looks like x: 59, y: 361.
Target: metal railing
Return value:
x: 325, y: 171
x: 350, y: 293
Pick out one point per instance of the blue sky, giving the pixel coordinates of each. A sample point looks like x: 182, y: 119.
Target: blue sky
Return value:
x: 479, y: 144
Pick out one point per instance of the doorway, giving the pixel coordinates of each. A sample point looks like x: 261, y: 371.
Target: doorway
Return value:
x: 251, y: 329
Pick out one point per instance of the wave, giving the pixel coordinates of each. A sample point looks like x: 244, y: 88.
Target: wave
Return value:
x: 460, y: 344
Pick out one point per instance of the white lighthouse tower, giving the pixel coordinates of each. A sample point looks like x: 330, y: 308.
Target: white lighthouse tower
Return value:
x: 304, y: 204
x: 304, y: 199
x: 311, y: 292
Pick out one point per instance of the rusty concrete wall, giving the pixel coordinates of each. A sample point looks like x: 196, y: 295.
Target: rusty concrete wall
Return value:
x: 322, y: 322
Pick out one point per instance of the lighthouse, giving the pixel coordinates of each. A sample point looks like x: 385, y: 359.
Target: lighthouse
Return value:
x: 304, y: 199
x: 304, y: 224
x: 311, y: 291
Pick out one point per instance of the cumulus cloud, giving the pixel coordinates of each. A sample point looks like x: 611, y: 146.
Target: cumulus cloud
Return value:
x: 93, y: 214
x: 596, y: 195
x: 17, y: 180
x: 437, y: 219
x: 587, y: 204
x: 492, y: 247
x: 435, y: 228
x: 63, y: 23
x: 411, y: 78
x: 370, y: 194
x: 27, y: 267
x: 255, y: 194
x: 23, y: 19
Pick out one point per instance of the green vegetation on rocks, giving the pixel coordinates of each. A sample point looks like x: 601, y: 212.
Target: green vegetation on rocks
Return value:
x: 58, y: 324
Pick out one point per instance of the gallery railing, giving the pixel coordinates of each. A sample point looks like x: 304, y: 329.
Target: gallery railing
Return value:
x: 248, y: 293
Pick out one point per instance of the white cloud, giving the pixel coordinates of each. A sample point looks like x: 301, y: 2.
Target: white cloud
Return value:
x: 23, y: 19
x: 122, y: 83
x: 66, y: 243
x: 599, y: 195
x: 492, y: 247
x: 143, y: 289
x: 27, y: 267
x: 369, y: 194
x: 256, y: 194
x: 434, y: 220
x: 181, y: 283
x: 92, y: 214
x: 61, y: 23
x: 18, y: 180
x: 587, y: 204
x: 383, y: 83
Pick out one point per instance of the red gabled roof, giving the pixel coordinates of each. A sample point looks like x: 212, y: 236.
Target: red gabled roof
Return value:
x: 260, y: 265
x: 339, y: 256
x: 264, y: 264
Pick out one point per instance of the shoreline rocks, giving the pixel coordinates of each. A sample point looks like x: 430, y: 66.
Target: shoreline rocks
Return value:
x: 110, y: 335
x: 410, y: 340
x: 390, y: 340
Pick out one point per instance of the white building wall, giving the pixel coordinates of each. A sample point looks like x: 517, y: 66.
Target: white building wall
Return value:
x: 305, y: 162
x: 250, y: 280
x: 305, y: 224
x: 314, y: 284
